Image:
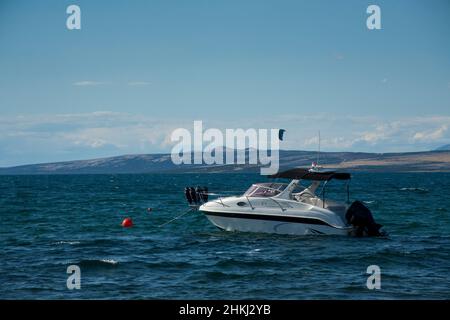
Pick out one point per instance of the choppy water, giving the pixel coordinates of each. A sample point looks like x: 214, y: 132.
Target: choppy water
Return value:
x: 51, y: 222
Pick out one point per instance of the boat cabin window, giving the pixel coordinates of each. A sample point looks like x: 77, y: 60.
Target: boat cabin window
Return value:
x: 265, y: 189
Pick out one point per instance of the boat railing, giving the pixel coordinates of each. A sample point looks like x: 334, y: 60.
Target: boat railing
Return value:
x: 248, y: 200
x: 281, y: 207
x: 221, y: 202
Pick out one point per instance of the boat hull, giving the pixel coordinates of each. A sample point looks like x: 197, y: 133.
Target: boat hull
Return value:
x: 272, y: 224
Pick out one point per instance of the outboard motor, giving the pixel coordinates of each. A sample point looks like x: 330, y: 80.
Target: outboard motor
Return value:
x: 187, y: 194
x: 360, y: 217
x: 193, y: 195
x: 199, y: 193
x: 205, y: 194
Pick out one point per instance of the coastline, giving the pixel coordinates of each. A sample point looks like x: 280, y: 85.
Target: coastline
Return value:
x: 427, y: 161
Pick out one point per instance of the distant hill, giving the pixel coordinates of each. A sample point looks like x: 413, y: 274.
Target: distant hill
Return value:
x: 162, y: 163
x: 444, y: 148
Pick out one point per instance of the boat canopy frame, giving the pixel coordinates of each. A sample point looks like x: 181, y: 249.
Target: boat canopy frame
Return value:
x: 325, y: 176
x: 305, y: 174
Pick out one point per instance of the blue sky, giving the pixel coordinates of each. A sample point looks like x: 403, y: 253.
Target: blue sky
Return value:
x: 139, y: 69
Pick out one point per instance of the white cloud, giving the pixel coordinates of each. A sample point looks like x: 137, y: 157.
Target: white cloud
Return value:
x: 86, y: 83
x: 339, y: 56
x: 116, y: 132
x: 334, y: 143
x: 380, y: 132
x: 372, y: 137
x: 367, y: 133
x: 431, y: 135
x: 100, y: 133
x: 408, y: 134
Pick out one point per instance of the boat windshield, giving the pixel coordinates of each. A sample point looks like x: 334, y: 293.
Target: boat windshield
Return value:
x: 265, y: 189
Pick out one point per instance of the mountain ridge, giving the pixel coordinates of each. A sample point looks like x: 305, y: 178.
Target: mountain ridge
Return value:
x: 445, y: 147
x: 436, y: 160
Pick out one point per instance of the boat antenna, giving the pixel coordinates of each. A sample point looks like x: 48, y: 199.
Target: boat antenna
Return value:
x: 318, y: 150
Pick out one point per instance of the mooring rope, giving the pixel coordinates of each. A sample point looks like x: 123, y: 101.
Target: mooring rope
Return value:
x: 177, y: 217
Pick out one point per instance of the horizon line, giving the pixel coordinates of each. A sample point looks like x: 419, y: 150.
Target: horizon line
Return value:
x: 168, y: 153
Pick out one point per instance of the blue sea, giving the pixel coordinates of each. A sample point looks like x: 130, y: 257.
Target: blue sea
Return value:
x: 51, y: 222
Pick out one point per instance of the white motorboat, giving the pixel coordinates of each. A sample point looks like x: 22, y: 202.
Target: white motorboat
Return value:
x: 290, y: 208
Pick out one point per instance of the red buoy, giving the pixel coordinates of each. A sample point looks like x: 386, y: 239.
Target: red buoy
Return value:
x: 127, y: 222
